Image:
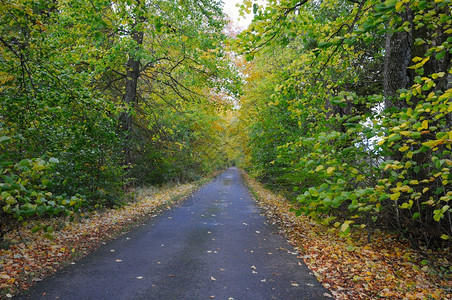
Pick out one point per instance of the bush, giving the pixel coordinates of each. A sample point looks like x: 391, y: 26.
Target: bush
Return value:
x: 24, y: 191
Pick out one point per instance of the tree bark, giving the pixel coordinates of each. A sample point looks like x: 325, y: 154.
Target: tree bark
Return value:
x: 130, y: 96
x: 397, y: 60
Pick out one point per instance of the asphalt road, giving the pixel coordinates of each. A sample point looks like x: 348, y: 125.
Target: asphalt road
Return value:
x: 216, y: 246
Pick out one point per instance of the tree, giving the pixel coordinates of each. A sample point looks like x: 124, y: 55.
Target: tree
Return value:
x: 101, y: 88
x: 361, y: 72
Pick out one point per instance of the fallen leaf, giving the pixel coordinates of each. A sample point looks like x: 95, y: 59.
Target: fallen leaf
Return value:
x: 11, y: 280
x: 82, y: 236
x: 139, y: 277
x: 212, y: 278
x: 119, y: 260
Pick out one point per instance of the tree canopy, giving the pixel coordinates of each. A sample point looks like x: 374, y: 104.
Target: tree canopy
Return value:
x: 97, y: 96
x: 347, y: 107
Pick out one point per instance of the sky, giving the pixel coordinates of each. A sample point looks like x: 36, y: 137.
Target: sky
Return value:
x: 233, y: 12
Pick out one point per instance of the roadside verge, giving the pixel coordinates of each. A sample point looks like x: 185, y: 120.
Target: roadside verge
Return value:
x: 32, y: 256
x: 350, y: 267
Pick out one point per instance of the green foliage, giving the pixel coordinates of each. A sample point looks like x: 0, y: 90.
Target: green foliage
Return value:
x: 64, y: 73
x: 356, y: 157
x: 24, y: 189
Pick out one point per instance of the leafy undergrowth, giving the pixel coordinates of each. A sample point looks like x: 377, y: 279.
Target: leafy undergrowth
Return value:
x: 32, y: 256
x: 352, y: 268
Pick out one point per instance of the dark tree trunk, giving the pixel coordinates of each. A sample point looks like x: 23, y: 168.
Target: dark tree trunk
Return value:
x: 130, y: 97
x: 400, y: 49
x: 396, y: 76
x: 397, y: 60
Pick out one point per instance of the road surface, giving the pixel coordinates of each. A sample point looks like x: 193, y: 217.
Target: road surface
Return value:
x: 215, y: 246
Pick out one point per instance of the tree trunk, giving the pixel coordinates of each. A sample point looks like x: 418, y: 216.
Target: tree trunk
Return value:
x: 397, y: 60
x: 130, y: 97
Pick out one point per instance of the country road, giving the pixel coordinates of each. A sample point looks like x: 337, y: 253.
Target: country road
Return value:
x: 215, y: 246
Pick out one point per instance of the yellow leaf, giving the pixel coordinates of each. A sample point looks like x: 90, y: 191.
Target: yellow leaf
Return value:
x: 405, y: 188
x: 319, y: 168
x: 430, y: 202
x: 395, y: 196
x: 432, y: 143
x: 405, y: 133
x: 425, y: 124
x: 330, y: 170
x: 404, y: 148
x: 345, y: 226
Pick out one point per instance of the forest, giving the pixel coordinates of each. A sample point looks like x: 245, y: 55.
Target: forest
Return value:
x: 344, y: 107
x: 348, y: 110
x: 101, y: 96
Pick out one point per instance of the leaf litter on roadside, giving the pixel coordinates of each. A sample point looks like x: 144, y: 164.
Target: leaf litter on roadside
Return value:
x: 352, y: 268
x: 32, y: 255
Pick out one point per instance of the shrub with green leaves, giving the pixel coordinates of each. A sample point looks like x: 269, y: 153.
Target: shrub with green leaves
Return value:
x: 369, y: 84
x: 24, y: 191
